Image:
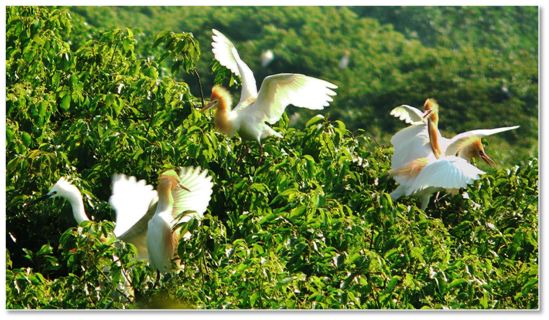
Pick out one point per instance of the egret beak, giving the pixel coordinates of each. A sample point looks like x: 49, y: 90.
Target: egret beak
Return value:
x: 39, y: 199
x: 210, y: 105
x: 183, y: 187
x: 486, y: 159
x: 427, y: 113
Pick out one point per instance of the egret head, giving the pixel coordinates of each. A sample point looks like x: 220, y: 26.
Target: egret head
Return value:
x: 170, y: 180
x: 430, y: 109
x: 220, y: 98
x: 62, y: 188
x: 475, y: 149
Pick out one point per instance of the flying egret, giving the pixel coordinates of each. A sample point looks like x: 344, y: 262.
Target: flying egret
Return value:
x: 267, y: 57
x: 188, y: 190
x: 254, y: 110
x: 424, y: 162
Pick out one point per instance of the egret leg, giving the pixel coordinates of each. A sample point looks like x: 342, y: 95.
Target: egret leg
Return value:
x: 437, y: 198
x: 260, y: 154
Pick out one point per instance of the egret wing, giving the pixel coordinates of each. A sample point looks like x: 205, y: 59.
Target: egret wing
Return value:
x: 198, y: 195
x: 280, y: 90
x: 408, y: 114
x: 134, y: 202
x: 461, y: 140
x: 410, y: 144
x: 227, y: 55
x: 446, y: 173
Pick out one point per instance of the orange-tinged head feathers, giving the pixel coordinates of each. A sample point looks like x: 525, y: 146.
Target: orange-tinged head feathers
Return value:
x: 474, y: 149
x: 168, y: 179
x: 430, y: 108
x: 220, y: 98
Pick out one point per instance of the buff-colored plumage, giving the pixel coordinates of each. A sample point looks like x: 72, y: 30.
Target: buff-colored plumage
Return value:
x: 188, y: 190
x: 424, y: 162
x: 255, y: 110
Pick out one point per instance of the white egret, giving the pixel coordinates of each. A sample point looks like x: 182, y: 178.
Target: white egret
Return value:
x: 423, y: 177
x: 138, y: 207
x: 423, y: 138
x: 424, y: 162
x: 131, y: 200
x: 190, y: 190
x: 254, y: 110
x: 413, y: 141
x: 267, y: 57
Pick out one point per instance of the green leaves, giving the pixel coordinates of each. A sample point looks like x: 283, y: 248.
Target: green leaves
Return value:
x: 182, y: 48
x: 313, y: 226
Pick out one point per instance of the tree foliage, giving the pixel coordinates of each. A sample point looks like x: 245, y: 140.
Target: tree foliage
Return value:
x: 398, y: 55
x: 312, y: 226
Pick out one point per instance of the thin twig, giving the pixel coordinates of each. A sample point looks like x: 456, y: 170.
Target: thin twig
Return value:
x: 200, y: 85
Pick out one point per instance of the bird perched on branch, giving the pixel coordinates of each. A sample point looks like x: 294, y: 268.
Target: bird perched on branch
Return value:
x: 344, y: 60
x: 255, y: 110
x: 185, y: 192
x: 145, y: 217
x: 424, y: 162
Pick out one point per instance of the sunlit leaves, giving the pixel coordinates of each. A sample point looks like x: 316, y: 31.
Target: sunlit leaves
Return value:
x: 313, y: 226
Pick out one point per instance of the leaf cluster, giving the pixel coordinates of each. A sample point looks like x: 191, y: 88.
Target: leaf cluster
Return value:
x: 313, y: 226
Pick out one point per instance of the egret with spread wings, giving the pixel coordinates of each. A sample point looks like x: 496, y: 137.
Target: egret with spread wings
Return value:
x: 145, y: 217
x: 255, y: 110
x: 424, y: 162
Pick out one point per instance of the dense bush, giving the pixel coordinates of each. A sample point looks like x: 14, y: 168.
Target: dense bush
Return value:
x: 311, y: 227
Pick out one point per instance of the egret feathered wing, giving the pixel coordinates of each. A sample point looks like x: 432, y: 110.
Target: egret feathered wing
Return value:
x: 198, y: 195
x: 460, y: 140
x: 280, y: 90
x: 408, y: 114
x: 225, y: 52
x: 134, y: 203
x: 409, y: 144
x: 446, y: 173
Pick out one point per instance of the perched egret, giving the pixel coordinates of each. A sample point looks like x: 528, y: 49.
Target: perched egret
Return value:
x: 131, y: 200
x: 138, y: 206
x: 254, y: 110
x: 424, y: 162
x: 267, y: 57
x: 413, y: 141
x: 188, y: 190
x: 344, y: 61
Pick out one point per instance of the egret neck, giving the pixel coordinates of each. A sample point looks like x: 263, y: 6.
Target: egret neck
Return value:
x: 431, y: 108
x: 433, y: 136
x: 77, y: 205
x: 165, y: 197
